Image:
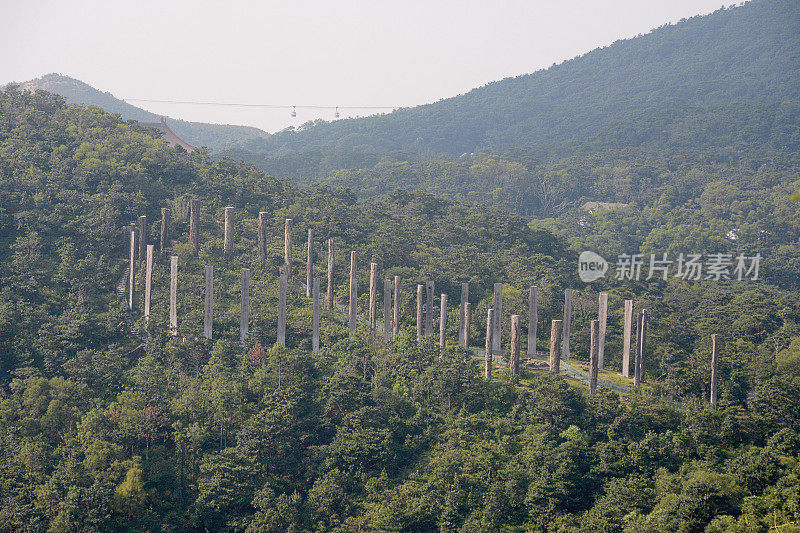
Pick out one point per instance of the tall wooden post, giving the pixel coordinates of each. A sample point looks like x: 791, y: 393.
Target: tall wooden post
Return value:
x: 513, y: 360
x: 641, y: 340
x: 467, y: 323
x: 262, y: 234
x: 555, y: 346
x: 429, y: 286
x: 714, y: 370
x: 287, y: 248
x: 173, y: 295
x: 533, y: 320
x: 164, y: 229
x: 627, y: 333
x: 353, y: 305
x: 244, y: 315
x: 329, y: 300
x: 142, y: 237
x: 497, y: 334
x: 443, y: 321
x: 309, y: 262
x: 387, y: 310
x: 487, y: 351
x: 566, y: 327
x: 148, y: 283
x: 194, y: 226
x: 283, y: 281
x: 594, y: 346
x: 315, y: 317
x: 373, y: 289
x: 464, y: 300
x: 208, y: 315
x: 396, y: 320
x: 602, y: 319
x: 228, y: 243
x: 132, y: 270
x: 420, y: 290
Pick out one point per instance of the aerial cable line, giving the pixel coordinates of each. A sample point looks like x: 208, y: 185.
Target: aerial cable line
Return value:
x: 268, y: 106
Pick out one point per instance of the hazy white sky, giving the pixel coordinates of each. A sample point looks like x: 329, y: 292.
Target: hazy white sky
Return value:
x: 347, y: 53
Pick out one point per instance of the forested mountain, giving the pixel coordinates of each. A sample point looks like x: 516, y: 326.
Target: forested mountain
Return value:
x: 215, y: 136
x: 192, y: 435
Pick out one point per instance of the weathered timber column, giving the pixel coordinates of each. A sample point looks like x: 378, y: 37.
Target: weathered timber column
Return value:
x: 244, y: 316
x: 420, y: 290
x: 194, y: 226
x: 262, y: 234
x: 148, y: 282
x: 228, y: 243
x: 602, y: 319
x: 487, y: 351
x: 283, y: 281
x: 164, y: 229
x: 173, y: 295
x: 396, y: 320
x: 555, y: 346
x: 566, y: 327
x: 594, y: 356
x: 497, y: 335
x: 309, y: 262
x: 627, y: 333
x: 315, y: 316
x: 353, y: 306
x: 443, y: 321
x: 464, y: 300
x: 208, y: 316
x: 132, y: 270
x: 142, y: 237
x: 641, y: 338
x: 643, y: 332
x: 513, y: 360
x: 329, y: 300
x: 287, y: 248
x: 373, y: 289
x: 467, y: 323
x: 533, y: 320
x: 714, y: 369
x: 387, y: 310
x: 429, y: 286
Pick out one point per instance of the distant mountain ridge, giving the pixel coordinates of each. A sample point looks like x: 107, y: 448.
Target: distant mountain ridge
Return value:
x: 215, y: 136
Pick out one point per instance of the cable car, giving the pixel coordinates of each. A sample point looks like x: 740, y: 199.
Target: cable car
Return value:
x: 336, y: 113
x: 294, y: 111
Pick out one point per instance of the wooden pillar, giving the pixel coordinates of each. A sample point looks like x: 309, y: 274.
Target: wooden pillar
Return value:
x: 387, y: 310
x: 244, y: 316
x: 164, y: 229
x: 533, y: 320
x: 467, y: 323
x: 330, y: 275
x: 283, y: 281
x: 315, y: 317
x: 641, y: 339
x: 464, y: 300
x: 555, y: 346
x: 396, y: 320
x: 309, y: 262
x: 148, y: 283
x: 566, y: 326
x: 173, y: 295
x: 429, y: 287
x: 602, y: 319
x: 194, y: 226
x: 262, y: 234
x: 353, y: 304
x: 132, y: 270
x: 228, y: 243
x: 714, y: 370
x: 497, y: 335
x: 594, y: 363
x: 513, y: 360
x: 487, y: 350
x: 373, y: 289
x: 142, y: 237
x: 287, y: 248
x: 420, y: 290
x: 208, y: 315
x: 443, y: 321
x: 627, y: 333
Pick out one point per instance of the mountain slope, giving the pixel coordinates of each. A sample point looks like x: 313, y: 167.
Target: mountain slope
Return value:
x: 215, y: 136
